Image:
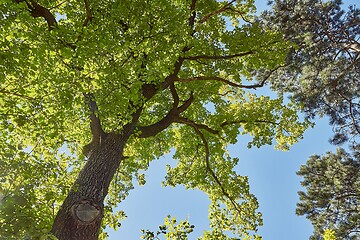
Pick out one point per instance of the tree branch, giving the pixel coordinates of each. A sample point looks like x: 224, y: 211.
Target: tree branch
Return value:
x: 212, y: 173
x: 222, y: 57
x: 186, y: 104
x: 88, y: 13
x: 208, y: 78
x: 152, y: 130
x: 241, y: 14
x: 196, y: 125
x: 244, y: 121
x: 98, y: 134
x: 224, y: 8
x: 174, y: 95
x: 351, y: 111
x: 14, y: 93
x: 193, y: 13
x: 172, y: 116
x: 215, y: 78
x: 37, y: 10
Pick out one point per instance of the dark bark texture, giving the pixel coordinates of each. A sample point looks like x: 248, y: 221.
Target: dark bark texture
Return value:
x: 82, y: 211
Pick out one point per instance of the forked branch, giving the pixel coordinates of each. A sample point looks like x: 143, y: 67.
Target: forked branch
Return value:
x: 95, y: 125
x: 171, y: 117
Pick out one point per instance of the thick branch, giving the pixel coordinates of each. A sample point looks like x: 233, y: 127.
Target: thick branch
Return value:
x: 149, y: 90
x: 172, y: 77
x: 172, y: 116
x: 88, y: 13
x: 152, y: 130
x: 193, y: 13
x: 186, y: 104
x: 174, y: 95
x: 37, y: 10
x: 98, y: 134
x: 192, y: 17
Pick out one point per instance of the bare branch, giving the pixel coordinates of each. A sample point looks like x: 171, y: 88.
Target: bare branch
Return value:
x: 224, y: 8
x: 222, y: 57
x: 205, y: 78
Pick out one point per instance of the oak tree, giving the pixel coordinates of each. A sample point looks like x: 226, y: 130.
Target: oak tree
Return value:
x: 92, y: 91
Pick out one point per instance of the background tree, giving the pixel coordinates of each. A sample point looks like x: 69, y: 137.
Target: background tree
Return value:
x: 92, y: 91
x: 332, y: 196
x: 322, y: 71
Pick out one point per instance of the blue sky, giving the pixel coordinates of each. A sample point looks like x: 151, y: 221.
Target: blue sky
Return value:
x: 272, y: 177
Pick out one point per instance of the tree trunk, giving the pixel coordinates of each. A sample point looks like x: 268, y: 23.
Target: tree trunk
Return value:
x: 80, y: 216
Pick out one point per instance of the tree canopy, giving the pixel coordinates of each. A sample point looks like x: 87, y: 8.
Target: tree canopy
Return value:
x: 92, y: 91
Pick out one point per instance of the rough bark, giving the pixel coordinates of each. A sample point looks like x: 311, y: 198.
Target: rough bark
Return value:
x: 81, y: 214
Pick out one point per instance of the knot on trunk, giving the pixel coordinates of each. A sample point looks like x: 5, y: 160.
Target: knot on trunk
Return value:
x: 85, y: 211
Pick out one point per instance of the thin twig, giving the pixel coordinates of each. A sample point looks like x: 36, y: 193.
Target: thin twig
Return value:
x: 224, y: 8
